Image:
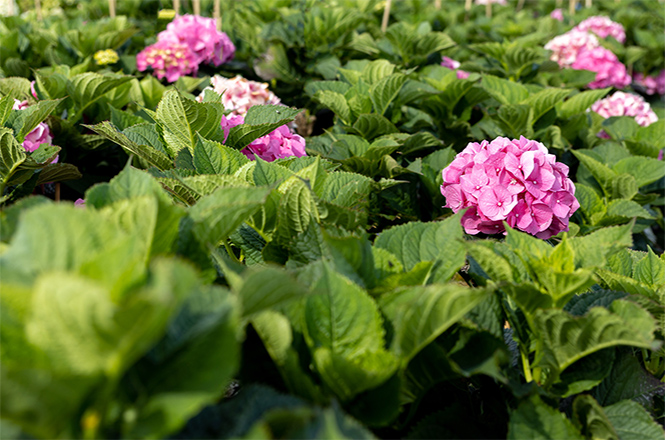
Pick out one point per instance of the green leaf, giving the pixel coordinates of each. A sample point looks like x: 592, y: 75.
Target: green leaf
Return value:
x: 336, y: 102
x: 267, y: 288
x: 620, y: 127
x: 385, y: 91
x: 86, y: 88
x: 312, y: 87
x: 650, y: 270
x: 259, y: 121
x: 601, y: 172
x: 591, y: 250
x: 58, y: 172
x: 152, y: 91
x: 12, y: 154
x: 6, y: 105
x: 545, y: 100
x: 213, y: 158
x: 216, y: 216
x: 149, y: 154
x: 504, y: 91
x: 420, y: 314
x: 517, y: 120
x: 372, y: 125
x: 181, y: 118
x: 589, y: 415
x: 646, y: 170
x: 636, y: 383
x: 624, y: 186
x: 580, y: 103
x: 632, y: 422
x: 123, y: 119
x: 626, y: 208
x: 564, y: 339
x: 535, y: 420
x: 377, y: 70
x: 344, y: 331
x: 439, y: 242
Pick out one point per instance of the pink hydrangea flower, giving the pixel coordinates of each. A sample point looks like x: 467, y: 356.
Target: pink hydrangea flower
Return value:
x: 32, y: 89
x: 278, y: 144
x: 565, y: 48
x: 200, y: 34
x: 625, y: 104
x: 496, y: 2
x: 454, y: 65
x: 167, y: 58
x: 79, y: 203
x: 651, y: 84
x: 603, y: 27
x: 610, y: 72
x: 516, y: 181
x: 557, y: 14
x: 239, y: 94
x: 41, y: 134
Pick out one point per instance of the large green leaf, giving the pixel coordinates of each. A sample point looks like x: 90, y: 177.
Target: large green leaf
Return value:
x: 440, y: 242
x: 504, y: 91
x: 591, y: 418
x: 336, y: 102
x: 545, y: 100
x: 580, y: 102
x: 12, y: 154
x: 385, y: 91
x: 646, y: 170
x: 632, y: 422
x: 216, y: 216
x: 420, y: 314
x: 86, y: 88
x: 344, y: 331
x: 260, y: 120
x: 27, y: 119
x: 214, y: 158
x: 535, y: 420
x: 564, y: 339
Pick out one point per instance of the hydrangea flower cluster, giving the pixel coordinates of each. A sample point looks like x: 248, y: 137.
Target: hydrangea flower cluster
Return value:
x: 625, y: 104
x: 278, y: 144
x: 566, y: 48
x: 239, y: 94
x: 105, y: 57
x: 651, y: 84
x: 187, y: 42
x: 40, y: 135
x: 557, y: 14
x: 603, y: 27
x: 454, y: 65
x: 516, y: 181
x: 610, y: 72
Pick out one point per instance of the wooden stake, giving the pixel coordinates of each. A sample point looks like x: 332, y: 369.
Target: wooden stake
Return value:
x: 467, y: 5
x: 176, y: 6
x: 386, y: 16
x: 38, y: 9
x: 572, y: 4
x: 437, y: 4
x: 216, y: 13
x: 520, y: 5
x: 488, y: 9
x: 112, y: 8
x: 587, y: 3
x: 197, y: 7
x: 57, y: 192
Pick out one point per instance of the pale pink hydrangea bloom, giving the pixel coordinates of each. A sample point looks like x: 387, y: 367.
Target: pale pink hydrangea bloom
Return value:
x: 239, y: 94
x: 651, y: 84
x: 557, y: 14
x: 167, y: 58
x: 200, y: 34
x: 516, y: 181
x: 278, y: 144
x: 41, y: 134
x: 79, y: 203
x: 610, y: 72
x: 565, y: 48
x: 625, y: 104
x: 496, y: 2
x: 603, y: 27
x: 454, y: 65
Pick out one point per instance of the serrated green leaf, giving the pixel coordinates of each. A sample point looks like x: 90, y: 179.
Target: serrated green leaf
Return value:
x: 601, y: 172
x: 627, y: 209
x: 12, y: 154
x: 646, y: 170
x: 385, y: 91
x: 86, y: 88
x: 259, y: 121
x: 517, y: 120
x: 312, y: 87
x: 504, y: 91
x: 632, y: 422
x: 420, y: 314
x: 372, y: 125
x: 650, y: 270
x: 580, y: 103
x: 336, y: 102
x: 545, y: 100
x: 533, y: 419
x: 591, y: 418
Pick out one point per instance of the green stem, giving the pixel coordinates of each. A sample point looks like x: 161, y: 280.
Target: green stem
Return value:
x: 230, y: 252
x: 526, y: 366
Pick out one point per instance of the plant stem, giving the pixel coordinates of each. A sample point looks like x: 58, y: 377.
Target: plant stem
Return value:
x: 526, y: 366
x: 230, y: 252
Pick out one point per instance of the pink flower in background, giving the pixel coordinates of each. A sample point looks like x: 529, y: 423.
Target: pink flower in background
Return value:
x: 566, y: 48
x: 610, y: 72
x: 603, y: 27
x: 239, y: 94
x: 625, y: 104
x: 454, y: 65
x: 200, y: 34
x: 167, y: 58
x: 651, y: 84
x: 41, y: 134
x: 557, y: 14
x: 32, y: 89
x: 79, y: 203
x: 516, y: 181
x: 496, y: 2
x: 278, y: 144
